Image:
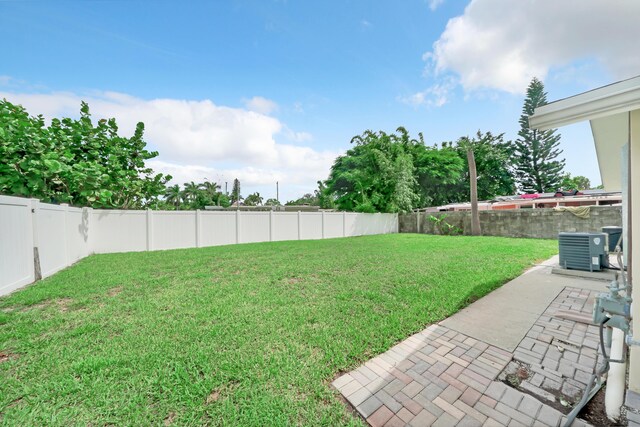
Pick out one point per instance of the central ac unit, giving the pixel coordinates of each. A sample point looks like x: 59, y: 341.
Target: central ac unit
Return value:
x: 583, y: 251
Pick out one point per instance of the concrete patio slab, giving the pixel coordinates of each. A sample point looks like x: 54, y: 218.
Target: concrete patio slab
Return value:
x: 504, y: 317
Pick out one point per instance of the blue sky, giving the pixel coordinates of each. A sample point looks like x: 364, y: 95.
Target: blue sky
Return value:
x: 273, y: 90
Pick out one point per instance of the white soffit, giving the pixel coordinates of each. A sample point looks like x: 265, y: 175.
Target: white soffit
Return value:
x: 605, y: 101
x: 610, y: 134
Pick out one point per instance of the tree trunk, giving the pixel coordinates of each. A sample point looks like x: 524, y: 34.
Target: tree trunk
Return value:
x: 473, y: 183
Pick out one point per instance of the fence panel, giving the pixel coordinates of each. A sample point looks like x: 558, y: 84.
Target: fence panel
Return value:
x: 310, y: 225
x: 118, y: 231
x: 285, y: 226
x: 350, y: 227
x: 52, y: 238
x: 78, y: 224
x: 217, y: 228
x: 254, y: 227
x: 172, y: 229
x: 333, y: 224
x: 16, y: 243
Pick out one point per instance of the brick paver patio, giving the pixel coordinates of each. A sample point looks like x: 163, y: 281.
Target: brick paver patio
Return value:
x: 441, y: 377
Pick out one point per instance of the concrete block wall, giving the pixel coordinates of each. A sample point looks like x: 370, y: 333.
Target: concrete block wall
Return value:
x: 530, y: 223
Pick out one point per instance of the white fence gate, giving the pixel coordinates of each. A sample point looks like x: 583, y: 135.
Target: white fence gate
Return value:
x: 59, y: 235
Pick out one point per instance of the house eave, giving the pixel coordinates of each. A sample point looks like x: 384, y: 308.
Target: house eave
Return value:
x: 613, y: 99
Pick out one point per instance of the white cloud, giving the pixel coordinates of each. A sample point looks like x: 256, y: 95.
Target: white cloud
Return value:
x: 199, y: 139
x: 261, y: 105
x: 434, y: 4
x: 435, y: 96
x: 502, y: 44
x: 297, y: 136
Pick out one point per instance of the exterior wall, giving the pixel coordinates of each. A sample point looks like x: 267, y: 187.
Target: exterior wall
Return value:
x: 531, y: 223
x: 63, y: 234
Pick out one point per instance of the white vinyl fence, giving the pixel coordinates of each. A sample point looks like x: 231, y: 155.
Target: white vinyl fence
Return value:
x: 38, y: 239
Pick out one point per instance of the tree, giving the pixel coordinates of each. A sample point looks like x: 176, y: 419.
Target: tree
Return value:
x: 253, y: 199
x: 392, y: 173
x: 191, y: 192
x: 211, y: 190
x: 376, y: 175
x: 575, y: 183
x: 272, y: 202
x: 235, y: 192
x: 75, y: 161
x: 306, y: 199
x: 440, y: 172
x: 173, y: 196
x: 536, y: 151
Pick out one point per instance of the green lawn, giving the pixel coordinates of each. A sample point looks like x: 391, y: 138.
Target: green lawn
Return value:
x: 234, y: 335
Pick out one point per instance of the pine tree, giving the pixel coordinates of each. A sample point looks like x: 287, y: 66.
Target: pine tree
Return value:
x: 235, y: 192
x: 536, y: 151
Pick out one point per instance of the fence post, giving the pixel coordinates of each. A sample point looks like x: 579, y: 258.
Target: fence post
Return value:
x: 397, y: 227
x: 344, y: 224
x: 237, y: 226
x: 271, y: 225
x: 198, y: 228
x: 418, y: 222
x: 149, y: 230
x: 35, y: 211
x: 66, y: 234
x: 323, y: 224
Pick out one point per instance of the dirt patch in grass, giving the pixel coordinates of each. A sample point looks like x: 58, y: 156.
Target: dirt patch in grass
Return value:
x: 38, y: 306
x: 5, y: 356
x: 213, y: 397
x: 63, y: 304
x: 115, y: 291
x: 169, y: 419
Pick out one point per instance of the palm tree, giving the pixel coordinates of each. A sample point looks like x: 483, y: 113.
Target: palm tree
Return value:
x: 173, y: 195
x: 254, y: 199
x: 190, y: 192
x: 211, y: 188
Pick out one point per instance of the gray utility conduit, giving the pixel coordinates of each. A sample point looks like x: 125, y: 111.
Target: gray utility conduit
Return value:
x: 597, y: 378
